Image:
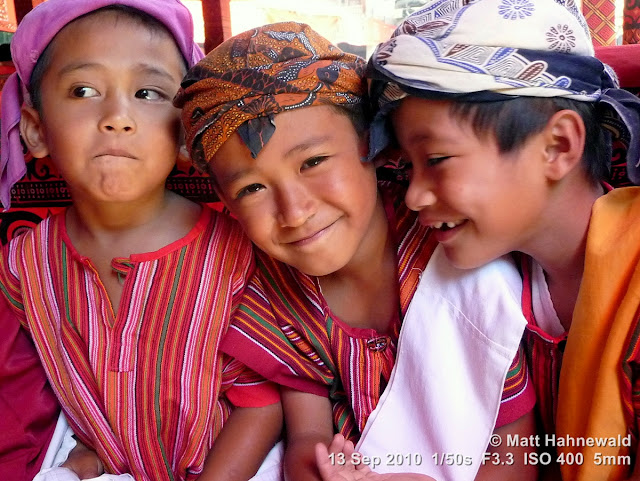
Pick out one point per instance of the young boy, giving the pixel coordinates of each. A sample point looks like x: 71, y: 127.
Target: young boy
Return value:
x: 128, y: 292
x: 275, y: 115
x: 502, y: 125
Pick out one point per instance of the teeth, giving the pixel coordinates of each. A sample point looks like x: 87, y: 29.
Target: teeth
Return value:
x: 450, y: 224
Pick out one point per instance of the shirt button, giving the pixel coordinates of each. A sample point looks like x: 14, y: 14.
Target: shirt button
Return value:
x: 377, y: 344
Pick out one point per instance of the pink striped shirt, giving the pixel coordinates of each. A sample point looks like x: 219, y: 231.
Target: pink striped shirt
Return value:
x: 142, y: 387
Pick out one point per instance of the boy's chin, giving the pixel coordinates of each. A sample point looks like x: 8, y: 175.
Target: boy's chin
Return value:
x: 317, y: 270
x: 467, y: 260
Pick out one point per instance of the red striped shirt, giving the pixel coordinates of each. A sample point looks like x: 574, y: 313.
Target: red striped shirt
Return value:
x: 141, y: 387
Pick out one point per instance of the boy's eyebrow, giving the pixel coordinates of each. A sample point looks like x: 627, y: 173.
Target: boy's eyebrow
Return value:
x: 428, y: 136
x: 142, y: 67
x: 307, y: 144
x: 233, y: 176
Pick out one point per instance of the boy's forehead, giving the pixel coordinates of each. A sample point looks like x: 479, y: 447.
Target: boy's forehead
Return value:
x: 44, y: 22
x: 423, y: 118
x: 80, y: 45
x: 420, y: 123
x: 297, y: 132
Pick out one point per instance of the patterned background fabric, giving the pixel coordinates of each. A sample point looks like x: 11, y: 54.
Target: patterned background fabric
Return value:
x: 601, y: 18
x: 631, y: 24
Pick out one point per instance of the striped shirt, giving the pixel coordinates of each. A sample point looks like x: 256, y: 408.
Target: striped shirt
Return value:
x: 544, y: 353
x: 142, y: 387
x: 285, y: 330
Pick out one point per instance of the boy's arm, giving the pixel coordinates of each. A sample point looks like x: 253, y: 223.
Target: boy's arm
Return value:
x: 246, y: 438
x: 309, y: 421
x: 505, y: 463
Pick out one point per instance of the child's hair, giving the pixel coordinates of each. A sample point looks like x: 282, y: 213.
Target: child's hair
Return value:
x: 477, y: 53
x: 141, y: 18
x: 34, y: 34
x: 358, y: 115
x: 244, y: 82
x: 512, y: 122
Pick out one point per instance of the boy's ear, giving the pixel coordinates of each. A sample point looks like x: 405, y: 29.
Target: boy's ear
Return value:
x: 565, y: 140
x: 32, y: 133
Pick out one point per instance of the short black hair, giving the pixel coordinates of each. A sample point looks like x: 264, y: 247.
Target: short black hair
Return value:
x: 143, y: 19
x: 357, y: 114
x: 512, y: 122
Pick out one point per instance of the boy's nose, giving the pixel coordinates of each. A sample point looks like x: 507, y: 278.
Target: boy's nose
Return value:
x: 419, y: 194
x: 294, y: 205
x: 117, y: 116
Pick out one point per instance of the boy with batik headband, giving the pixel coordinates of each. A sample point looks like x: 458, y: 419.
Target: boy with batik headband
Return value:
x: 507, y: 118
x: 128, y: 292
x: 276, y: 116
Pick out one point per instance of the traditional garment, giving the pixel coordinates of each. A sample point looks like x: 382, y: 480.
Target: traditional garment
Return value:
x: 28, y: 407
x: 483, y: 50
x: 455, y: 318
x: 244, y: 82
x: 545, y: 351
x: 598, y: 394
x: 142, y: 386
x: 33, y: 35
x: 285, y: 330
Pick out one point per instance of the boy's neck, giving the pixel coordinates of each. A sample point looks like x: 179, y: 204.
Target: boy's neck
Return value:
x: 559, y: 247
x: 136, y: 225
x: 364, y: 293
x: 366, y: 261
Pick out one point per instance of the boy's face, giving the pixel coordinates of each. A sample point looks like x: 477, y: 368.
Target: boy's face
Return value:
x: 106, y: 119
x: 307, y: 199
x: 493, y: 201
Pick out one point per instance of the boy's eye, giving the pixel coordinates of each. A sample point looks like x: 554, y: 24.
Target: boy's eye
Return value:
x: 83, y: 92
x: 148, y: 94
x: 436, y: 160
x: 250, y: 189
x: 313, y: 162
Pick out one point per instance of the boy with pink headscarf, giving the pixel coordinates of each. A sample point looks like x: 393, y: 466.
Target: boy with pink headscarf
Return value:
x: 128, y: 292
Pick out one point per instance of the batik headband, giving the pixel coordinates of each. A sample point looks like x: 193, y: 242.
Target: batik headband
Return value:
x: 241, y: 84
x: 35, y: 32
x: 482, y: 50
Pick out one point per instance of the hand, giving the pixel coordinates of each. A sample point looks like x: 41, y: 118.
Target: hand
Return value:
x: 330, y: 470
x: 84, y: 462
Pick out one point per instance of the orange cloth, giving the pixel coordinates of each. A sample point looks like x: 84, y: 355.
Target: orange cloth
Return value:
x: 595, y: 392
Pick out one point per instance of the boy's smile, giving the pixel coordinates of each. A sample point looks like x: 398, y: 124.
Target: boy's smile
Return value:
x: 106, y: 118
x: 307, y: 199
x: 481, y: 203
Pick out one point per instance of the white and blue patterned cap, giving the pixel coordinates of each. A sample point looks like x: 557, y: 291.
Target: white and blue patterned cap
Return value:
x: 482, y: 50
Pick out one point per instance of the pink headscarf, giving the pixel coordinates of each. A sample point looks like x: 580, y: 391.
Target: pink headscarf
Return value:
x: 34, y: 33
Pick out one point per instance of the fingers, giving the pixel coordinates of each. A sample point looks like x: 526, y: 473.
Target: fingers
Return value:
x: 338, y: 443
x: 322, y: 460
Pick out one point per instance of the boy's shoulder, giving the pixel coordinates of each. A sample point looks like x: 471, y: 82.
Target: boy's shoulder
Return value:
x: 36, y: 232
x: 221, y: 222
x: 614, y: 228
